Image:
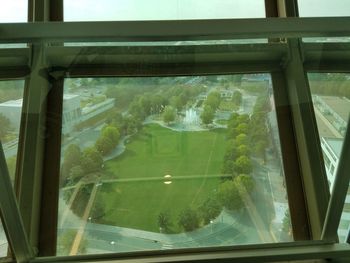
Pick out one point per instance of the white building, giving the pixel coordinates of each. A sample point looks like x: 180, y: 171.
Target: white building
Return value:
x: 71, y: 115
x: 331, y: 148
x: 335, y: 109
x: 332, y: 124
x: 89, y: 112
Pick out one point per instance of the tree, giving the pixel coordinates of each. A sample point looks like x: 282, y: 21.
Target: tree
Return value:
x: 228, y: 167
x: 177, y: 102
x: 237, y: 98
x: 242, y: 150
x: 213, y: 100
x: 164, y: 221
x: 189, y: 219
x: 210, y: 209
x: 72, y: 157
x: 5, y: 125
x: 241, y: 128
x: 169, y: 114
x: 76, y: 172
x: 131, y: 125
x: 104, y: 145
x: 245, y: 181
x: 229, y: 196
x: 241, y: 139
x: 112, y: 133
x: 207, y: 115
x: 92, y: 160
x: 260, y: 148
x: 243, y: 165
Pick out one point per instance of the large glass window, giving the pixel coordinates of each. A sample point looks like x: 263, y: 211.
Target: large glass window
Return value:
x: 3, y: 242
x: 119, y: 10
x: 14, y: 11
x: 170, y: 162
x: 317, y: 8
x: 331, y: 100
x: 11, y: 99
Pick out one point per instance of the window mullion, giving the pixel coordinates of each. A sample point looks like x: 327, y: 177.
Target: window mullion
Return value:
x: 305, y: 128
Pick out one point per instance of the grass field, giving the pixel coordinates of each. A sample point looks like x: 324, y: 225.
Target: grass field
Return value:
x: 193, y: 159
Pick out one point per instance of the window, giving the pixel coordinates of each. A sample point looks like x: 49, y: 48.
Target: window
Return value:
x: 309, y: 8
x: 123, y: 10
x: 14, y: 11
x: 3, y: 242
x: 125, y: 145
x: 11, y: 100
x: 166, y: 162
x: 330, y: 95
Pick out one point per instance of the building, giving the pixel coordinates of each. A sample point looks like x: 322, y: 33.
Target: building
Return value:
x: 72, y: 112
x: 91, y: 111
x: 335, y: 109
x: 332, y: 113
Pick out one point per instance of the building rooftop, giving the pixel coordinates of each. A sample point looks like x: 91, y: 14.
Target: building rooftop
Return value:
x: 340, y: 105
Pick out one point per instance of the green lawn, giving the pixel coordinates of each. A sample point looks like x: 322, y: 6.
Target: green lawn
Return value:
x: 153, y: 153
x: 157, y: 151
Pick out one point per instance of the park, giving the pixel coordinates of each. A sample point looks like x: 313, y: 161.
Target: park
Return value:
x: 177, y: 161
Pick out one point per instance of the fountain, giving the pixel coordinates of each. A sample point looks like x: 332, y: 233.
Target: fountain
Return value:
x: 191, y: 117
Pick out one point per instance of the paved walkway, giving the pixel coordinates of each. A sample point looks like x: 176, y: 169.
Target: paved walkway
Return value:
x: 81, y: 230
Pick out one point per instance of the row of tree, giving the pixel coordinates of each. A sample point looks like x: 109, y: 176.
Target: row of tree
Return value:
x: 229, y: 196
x: 236, y: 159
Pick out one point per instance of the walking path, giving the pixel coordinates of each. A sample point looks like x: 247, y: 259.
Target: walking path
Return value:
x: 81, y: 230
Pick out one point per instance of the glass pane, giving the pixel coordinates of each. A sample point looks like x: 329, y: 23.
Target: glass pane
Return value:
x: 330, y: 96
x: 151, y: 163
x: 3, y: 242
x: 14, y: 11
x: 314, y: 8
x: 11, y: 98
x: 119, y: 10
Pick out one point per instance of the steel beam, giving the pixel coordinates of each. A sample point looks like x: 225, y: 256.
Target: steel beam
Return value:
x: 339, y: 192
x: 239, y: 254
x: 180, y: 30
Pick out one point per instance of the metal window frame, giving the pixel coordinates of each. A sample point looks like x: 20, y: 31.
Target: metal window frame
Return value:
x: 41, y: 34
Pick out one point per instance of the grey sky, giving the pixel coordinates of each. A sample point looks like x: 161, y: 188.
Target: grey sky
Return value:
x: 161, y: 9
x: 89, y: 10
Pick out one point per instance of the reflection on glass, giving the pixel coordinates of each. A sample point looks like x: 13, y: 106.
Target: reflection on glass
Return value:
x: 11, y: 98
x: 14, y: 11
x: 157, y: 163
x: 11, y: 94
x: 122, y: 10
x: 330, y: 96
x: 3, y: 242
x: 317, y: 8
